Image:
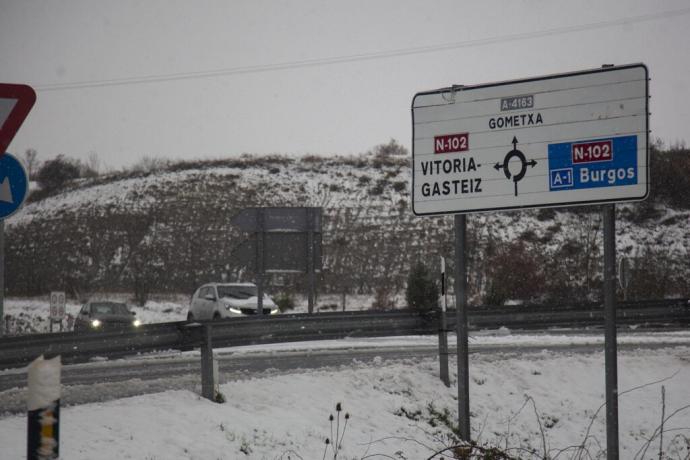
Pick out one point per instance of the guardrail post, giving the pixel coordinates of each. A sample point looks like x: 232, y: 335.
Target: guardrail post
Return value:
x: 208, y: 377
x: 43, y: 404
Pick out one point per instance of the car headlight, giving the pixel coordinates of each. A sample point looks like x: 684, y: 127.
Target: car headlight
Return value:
x: 237, y: 311
x: 136, y: 323
x: 275, y: 311
x: 96, y: 323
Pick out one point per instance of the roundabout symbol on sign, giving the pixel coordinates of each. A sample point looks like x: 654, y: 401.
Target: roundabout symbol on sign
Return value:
x: 515, y: 153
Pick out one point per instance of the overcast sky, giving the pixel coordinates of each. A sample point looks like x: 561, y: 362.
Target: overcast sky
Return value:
x: 197, y: 79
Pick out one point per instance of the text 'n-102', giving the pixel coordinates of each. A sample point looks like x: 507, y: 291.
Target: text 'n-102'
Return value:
x: 451, y: 143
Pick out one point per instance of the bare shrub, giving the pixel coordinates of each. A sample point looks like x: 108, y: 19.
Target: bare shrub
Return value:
x: 652, y: 276
x: 55, y: 173
x: 514, y: 272
x: 383, y: 299
x: 149, y: 164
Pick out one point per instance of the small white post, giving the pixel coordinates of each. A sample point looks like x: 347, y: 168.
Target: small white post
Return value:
x: 43, y: 404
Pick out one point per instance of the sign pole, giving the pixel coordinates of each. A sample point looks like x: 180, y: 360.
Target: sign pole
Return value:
x: 443, y: 330
x: 2, y: 277
x: 610, y: 346
x: 260, y: 232
x: 461, y: 311
x: 310, y: 258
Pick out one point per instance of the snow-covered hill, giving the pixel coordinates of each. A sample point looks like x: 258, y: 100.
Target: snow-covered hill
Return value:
x: 169, y: 230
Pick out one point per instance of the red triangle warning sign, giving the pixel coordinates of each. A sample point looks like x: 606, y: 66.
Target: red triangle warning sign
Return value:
x: 15, y: 104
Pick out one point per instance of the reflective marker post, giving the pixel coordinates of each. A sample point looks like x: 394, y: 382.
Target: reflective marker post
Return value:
x: 461, y: 309
x: 43, y: 404
x: 610, y: 345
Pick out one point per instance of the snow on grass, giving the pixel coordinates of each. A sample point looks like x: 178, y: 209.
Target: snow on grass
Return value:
x: 394, y: 407
x: 477, y: 341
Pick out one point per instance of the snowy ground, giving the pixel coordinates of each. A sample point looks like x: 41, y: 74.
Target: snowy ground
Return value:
x: 396, y: 410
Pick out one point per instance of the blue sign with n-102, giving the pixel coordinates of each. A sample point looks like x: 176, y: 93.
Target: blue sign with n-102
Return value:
x: 607, y: 162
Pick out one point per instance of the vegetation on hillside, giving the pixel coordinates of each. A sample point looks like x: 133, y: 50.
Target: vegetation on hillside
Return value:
x: 170, y: 231
x: 422, y: 291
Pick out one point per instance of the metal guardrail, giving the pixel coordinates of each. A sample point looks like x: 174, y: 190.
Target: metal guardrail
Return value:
x: 645, y: 313
x: 75, y: 346
x: 20, y: 350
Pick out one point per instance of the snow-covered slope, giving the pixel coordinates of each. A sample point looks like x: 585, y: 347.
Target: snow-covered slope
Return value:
x: 170, y: 230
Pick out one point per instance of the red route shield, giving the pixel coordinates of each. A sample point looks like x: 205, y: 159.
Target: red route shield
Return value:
x: 25, y: 98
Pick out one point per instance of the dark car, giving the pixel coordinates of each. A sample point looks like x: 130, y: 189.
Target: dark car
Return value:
x: 104, y: 315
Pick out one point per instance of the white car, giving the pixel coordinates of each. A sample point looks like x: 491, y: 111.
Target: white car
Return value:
x: 227, y: 300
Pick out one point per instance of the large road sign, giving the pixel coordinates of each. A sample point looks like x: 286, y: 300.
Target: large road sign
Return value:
x: 15, y: 104
x: 283, y: 253
x: 285, y: 238
x: 567, y: 139
x: 14, y: 185
x: 278, y: 219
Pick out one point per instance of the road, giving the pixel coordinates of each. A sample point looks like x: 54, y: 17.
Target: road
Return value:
x: 107, y: 380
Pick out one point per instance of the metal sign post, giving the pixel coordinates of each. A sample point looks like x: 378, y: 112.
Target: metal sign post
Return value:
x: 310, y: 258
x: 462, y: 335
x: 260, y: 269
x: 443, y: 330
x: 610, y: 345
x: 2, y: 277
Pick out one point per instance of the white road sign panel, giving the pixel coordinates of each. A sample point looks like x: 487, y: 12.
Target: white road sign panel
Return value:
x: 57, y: 305
x: 560, y: 140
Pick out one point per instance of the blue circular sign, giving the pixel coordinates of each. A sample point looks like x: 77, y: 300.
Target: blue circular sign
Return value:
x: 14, y: 185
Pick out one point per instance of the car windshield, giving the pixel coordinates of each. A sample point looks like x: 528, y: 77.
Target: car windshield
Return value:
x: 109, y: 308
x: 237, y: 292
